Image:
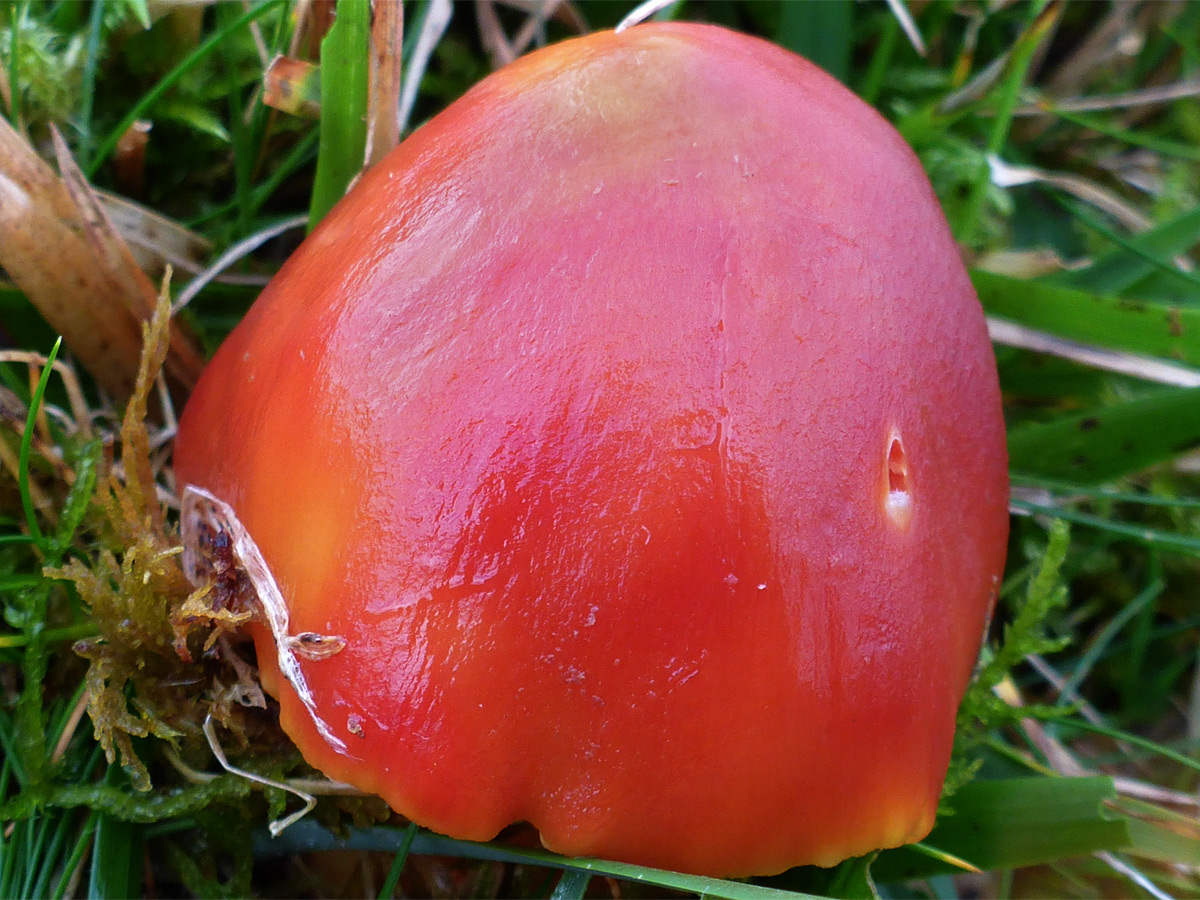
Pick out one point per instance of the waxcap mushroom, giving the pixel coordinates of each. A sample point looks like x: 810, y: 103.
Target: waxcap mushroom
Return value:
x: 633, y: 433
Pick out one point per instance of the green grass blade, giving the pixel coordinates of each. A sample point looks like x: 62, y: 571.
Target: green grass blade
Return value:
x: 1129, y: 136
x: 18, y: 582
x: 1042, y: 19
x: 344, y: 56
x: 308, y: 836
x: 298, y: 156
x: 87, y: 93
x: 1136, y: 740
x: 820, y: 32
x: 140, y: 11
x: 82, y: 841
x: 942, y: 856
x: 571, y: 886
x: 17, y: 13
x: 1102, y: 444
x: 49, y: 861
x: 1015, y: 822
x: 79, y: 499
x: 51, y: 635
x: 8, y: 865
x: 169, y: 80
x: 1152, y: 329
x: 35, y: 404
x: 116, y: 854
x: 1093, y: 493
x: 1153, y: 841
x: 1151, y: 537
x: 1152, y: 261
x: 881, y: 60
x: 39, y: 828
x: 1100, y: 644
x: 848, y: 880
x: 12, y: 763
x: 393, y: 876
x: 244, y: 153
x: 1120, y: 269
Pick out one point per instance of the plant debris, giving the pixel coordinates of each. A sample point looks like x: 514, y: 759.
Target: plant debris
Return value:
x: 163, y: 660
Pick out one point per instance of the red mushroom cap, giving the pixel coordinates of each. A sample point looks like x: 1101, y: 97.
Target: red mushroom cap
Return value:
x: 636, y: 426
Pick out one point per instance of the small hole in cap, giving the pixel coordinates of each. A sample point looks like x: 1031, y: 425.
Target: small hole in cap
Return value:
x: 899, y: 496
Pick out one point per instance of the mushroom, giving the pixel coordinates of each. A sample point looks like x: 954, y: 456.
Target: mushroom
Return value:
x: 624, y: 455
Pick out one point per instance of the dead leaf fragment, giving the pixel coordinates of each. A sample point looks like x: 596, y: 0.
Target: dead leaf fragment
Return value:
x: 61, y: 249
x: 293, y: 86
x: 154, y: 240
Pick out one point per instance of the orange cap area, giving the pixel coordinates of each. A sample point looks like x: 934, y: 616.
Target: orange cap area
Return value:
x: 636, y: 424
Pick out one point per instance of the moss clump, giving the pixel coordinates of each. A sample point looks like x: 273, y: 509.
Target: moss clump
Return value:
x: 983, y: 710
x: 162, y: 662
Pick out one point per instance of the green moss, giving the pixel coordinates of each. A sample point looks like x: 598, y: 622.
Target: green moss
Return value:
x: 983, y: 710
x: 143, y: 678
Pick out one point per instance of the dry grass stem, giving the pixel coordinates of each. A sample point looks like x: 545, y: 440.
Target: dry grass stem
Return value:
x: 81, y: 414
x: 68, y: 731
x: 437, y: 20
x: 279, y: 825
x: 564, y: 12
x: 1056, y: 681
x: 495, y: 42
x: 1120, y: 866
x: 260, y: 44
x: 1061, y: 759
x: 302, y: 17
x: 976, y: 88
x: 1152, y: 793
x: 1180, y: 90
x: 313, y: 19
x: 1094, y: 52
x: 1005, y: 175
x: 232, y: 255
x: 1147, y: 368
x: 12, y: 464
x: 44, y: 250
x: 1023, y: 263
x: 161, y: 495
x: 642, y: 12
x: 170, y: 420
x: 386, y: 77
x: 534, y: 27
x: 129, y: 158
x: 195, y: 776
x: 908, y: 25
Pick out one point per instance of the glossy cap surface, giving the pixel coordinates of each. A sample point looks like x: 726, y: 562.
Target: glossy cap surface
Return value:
x: 636, y: 425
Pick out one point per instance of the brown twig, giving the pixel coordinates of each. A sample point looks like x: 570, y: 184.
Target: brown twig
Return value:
x: 12, y: 463
x: 79, y: 408
x: 534, y: 25
x: 68, y: 732
x: 383, y: 99
x: 491, y: 33
x: 1179, y: 90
